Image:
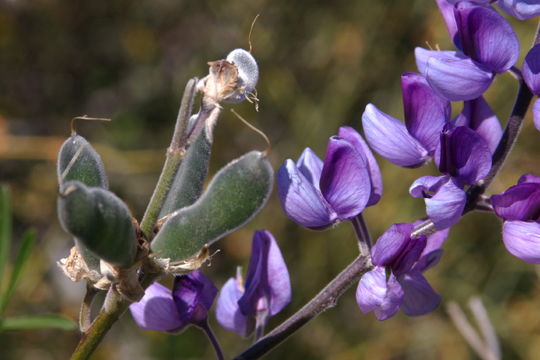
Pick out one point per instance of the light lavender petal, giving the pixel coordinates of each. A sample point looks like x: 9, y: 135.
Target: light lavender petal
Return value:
x: 228, y: 312
x: 375, y: 294
x: 521, y: 9
x: 390, y: 139
x: 522, y: 239
x: 310, y: 165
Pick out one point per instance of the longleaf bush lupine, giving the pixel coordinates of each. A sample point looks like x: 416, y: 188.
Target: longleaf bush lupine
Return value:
x: 115, y: 253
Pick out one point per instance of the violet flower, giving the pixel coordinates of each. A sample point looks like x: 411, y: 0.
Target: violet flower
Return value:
x: 521, y: 9
x: 316, y: 194
x: 488, y: 45
x: 531, y: 75
x: 244, y: 307
x: 405, y: 288
x: 465, y: 158
x: 519, y: 207
x: 413, y: 143
x: 172, y: 311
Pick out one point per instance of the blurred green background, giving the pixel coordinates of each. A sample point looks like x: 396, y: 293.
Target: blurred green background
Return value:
x: 320, y: 63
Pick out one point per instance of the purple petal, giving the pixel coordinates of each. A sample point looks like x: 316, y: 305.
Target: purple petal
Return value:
x: 521, y: 9
x: 409, y: 256
x: 435, y: 241
x: 444, y: 200
x: 193, y: 294
x: 536, y: 114
x: 157, y: 310
x: 419, y: 297
x: 531, y: 69
x: 519, y: 202
x: 529, y: 178
x: 345, y: 180
x: 375, y: 294
x: 428, y: 260
x: 423, y: 55
x: 300, y: 200
x: 390, y: 244
x: 426, y: 113
x: 486, y: 36
x: 390, y: 139
x: 522, y: 239
x: 457, y: 78
x: 310, y: 166
x: 447, y: 12
x: 267, y: 277
x: 477, y: 115
x: 464, y: 155
x: 228, y: 313
x: 352, y: 136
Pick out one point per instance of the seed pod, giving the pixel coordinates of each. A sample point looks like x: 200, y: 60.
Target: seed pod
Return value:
x: 77, y: 160
x: 236, y: 194
x: 100, y: 221
x: 189, y: 179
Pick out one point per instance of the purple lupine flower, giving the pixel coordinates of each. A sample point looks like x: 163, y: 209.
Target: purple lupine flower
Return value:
x: 488, y: 45
x: 187, y: 304
x: 413, y: 143
x: 465, y: 158
x: 521, y: 9
x: 519, y: 207
x: 267, y: 290
x: 405, y: 288
x: 531, y: 75
x: 316, y: 194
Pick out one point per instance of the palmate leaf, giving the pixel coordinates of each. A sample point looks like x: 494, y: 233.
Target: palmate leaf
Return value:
x: 236, y: 193
x: 38, y: 322
x: 27, y: 243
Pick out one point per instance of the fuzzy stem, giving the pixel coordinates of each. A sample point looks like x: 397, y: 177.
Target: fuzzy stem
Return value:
x: 173, y: 159
x: 362, y: 234
x: 324, y: 300
x: 213, y: 340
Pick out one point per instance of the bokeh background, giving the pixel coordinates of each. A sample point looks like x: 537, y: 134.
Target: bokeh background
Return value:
x: 320, y: 63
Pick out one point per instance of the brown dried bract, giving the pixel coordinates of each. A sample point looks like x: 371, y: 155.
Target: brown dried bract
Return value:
x: 221, y: 82
x: 76, y: 269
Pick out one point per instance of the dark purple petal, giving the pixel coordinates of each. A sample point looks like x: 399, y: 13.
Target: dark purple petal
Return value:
x: 477, y: 115
x: 390, y: 139
x: 390, y: 244
x: 157, y: 310
x: 428, y: 260
x: 300, y: 200
x: 228, y: 313
x: 521, y: 9
x: 352, y: 136
x: 409, y: 255
x: 536, y: 114
x: 522, y: 239
x: 419, y: 297
x: 486, y: 36
x: 531, y: 69
x: 345, y: 180
x: 310, y: 166
x: 529, y: 178
x: 519, y: 202
x: 375, y: 294
x: 464, y: 155
x: 267, y: 277
x: 457, y: 78
x: 447, y: 12
x: 426, y: 113
x: 194, y: 295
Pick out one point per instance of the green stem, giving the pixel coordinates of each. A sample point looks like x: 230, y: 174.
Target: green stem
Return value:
x: 173, y: 159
